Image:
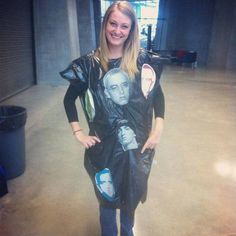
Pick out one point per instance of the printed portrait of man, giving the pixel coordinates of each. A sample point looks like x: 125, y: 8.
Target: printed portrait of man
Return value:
x: 117, y: 87
x: 104, y: 184
x: 126, y: 136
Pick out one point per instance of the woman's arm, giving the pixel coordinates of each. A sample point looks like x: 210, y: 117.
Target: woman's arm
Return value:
x: 159, y: 111
x: 155, y: 135
x: 72, y: 115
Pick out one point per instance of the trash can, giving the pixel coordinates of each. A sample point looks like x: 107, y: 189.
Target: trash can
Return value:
x: 12, y: 140
x: 3, y: 182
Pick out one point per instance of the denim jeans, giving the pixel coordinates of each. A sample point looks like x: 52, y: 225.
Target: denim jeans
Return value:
x: 109, y: 224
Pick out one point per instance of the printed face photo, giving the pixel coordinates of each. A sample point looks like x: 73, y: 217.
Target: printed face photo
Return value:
x: 104, y: 184
x: 117, y: 87
x: 126, y: 137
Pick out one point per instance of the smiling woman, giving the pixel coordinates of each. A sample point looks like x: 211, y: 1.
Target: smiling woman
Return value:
x: 124, y: 91
x: 117, y: 31
x: 116, y: 43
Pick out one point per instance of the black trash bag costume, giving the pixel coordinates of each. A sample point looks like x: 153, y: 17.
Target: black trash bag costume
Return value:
x: 119, y: 111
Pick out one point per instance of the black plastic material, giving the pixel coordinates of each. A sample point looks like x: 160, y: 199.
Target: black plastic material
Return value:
x: 12, y: 140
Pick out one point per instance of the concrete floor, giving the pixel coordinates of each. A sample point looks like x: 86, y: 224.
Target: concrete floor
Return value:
x: 192, y: 187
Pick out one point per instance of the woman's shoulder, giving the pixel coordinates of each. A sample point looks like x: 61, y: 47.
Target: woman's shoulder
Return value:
x: 151, y: 58
x: 80, y: 67
x: 142, y: 53
x: 86, y: 57
x: 147, y: 55
x: 144, y: 56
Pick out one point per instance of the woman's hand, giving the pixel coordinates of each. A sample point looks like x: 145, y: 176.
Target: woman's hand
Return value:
x: 86, y: 140
x: 155, y: 136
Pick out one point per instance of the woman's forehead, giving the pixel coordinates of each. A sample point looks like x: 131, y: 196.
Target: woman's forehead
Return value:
x: 118, y: 16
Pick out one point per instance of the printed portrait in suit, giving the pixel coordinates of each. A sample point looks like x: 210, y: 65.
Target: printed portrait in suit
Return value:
x: 104, y: 184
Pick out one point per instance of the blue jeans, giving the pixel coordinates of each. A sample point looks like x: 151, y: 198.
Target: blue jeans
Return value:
x: 109, y: 225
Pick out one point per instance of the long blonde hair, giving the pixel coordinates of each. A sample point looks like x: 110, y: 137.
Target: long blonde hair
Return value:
x: 131, y: 45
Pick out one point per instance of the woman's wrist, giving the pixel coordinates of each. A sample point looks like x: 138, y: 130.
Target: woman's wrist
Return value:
x: 77, y: 131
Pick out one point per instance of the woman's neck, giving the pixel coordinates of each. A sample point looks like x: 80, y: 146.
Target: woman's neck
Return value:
x: 115, y: 52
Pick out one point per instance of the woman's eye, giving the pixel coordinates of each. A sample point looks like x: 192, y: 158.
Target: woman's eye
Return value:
x: 112, y: 23
x: 124, y: 27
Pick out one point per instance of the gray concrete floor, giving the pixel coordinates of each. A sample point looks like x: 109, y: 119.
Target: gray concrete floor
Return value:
x: 192, y: 187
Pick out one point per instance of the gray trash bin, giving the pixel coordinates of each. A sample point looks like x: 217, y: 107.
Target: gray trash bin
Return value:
x: 12, y: 140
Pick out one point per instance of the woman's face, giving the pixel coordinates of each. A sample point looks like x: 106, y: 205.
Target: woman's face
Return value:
x: 117, y: 29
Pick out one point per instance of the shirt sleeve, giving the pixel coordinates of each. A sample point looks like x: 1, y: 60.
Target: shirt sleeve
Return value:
x: 159, y: 99
x: 69, y: 103
x: 159, y: 103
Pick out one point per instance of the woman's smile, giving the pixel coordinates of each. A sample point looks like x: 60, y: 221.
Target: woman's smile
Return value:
x: 117, y: 29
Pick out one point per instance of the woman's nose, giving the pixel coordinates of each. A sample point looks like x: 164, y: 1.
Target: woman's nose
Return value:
x: 117, y: 30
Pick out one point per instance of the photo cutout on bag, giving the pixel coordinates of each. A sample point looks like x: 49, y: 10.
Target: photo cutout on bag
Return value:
x: 104, y: 184
x: 126, y: 135
x: 117, y: 86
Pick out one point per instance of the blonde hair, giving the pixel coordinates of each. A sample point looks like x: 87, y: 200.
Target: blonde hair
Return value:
x: 131, y: 45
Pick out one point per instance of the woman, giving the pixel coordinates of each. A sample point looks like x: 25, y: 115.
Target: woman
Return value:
x: 119, y: 176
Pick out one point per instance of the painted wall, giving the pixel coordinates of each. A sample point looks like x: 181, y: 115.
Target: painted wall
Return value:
x: 222, y: 45
x: 231, y: 57
x: 56, y: 38
x: 86, y: 26
x: 205, y: 26
x: 188, y: 26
